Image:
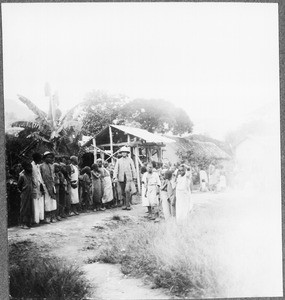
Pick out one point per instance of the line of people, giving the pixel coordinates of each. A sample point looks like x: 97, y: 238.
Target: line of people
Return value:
x: 51, y: 191
x: 54, y: 190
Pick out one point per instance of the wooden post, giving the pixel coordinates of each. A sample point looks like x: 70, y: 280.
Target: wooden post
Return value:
x: 129, y: 139
x: 159, y: 154
x: 95, y: 150
x: 149, y: 154
x: 136, y: 150
x: 111, y: 142
x: 102, y: 154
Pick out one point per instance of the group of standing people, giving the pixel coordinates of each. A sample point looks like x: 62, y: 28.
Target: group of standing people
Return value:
x: 52, y: 190
x: 49, y: 190
x: 214, y: 180
x: 167, y: 189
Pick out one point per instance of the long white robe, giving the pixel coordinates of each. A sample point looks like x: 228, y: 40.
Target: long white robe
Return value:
x: 203, y: 175
x: 165, y: 203
x: 145, y: 201
x: 38, y: 198
x: 152, y: 181
x: 107, y: 187
x: 184, y: 202
x: 74, y: 195
x: 49, y: 202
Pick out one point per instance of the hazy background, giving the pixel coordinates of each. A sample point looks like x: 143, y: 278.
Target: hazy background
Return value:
x: 219, y: 61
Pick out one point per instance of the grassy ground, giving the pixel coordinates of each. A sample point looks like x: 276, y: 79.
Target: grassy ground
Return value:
x: 34, y: 275
x: 226, y: 250
x: 180, y: 259
x: 230, y: 248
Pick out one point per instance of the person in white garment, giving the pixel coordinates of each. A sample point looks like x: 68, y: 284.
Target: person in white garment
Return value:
x: 152, y: 183
x: 74, y: 193
x: 107, y: 186
x: 38, y: 193
x: 203, y: 181
x: 145, y: 202
x: 184, y: 202
x: 164, y: 195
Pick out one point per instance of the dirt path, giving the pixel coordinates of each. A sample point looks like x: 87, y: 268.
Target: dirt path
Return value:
x: 72, y: 239
x: 245, y: 231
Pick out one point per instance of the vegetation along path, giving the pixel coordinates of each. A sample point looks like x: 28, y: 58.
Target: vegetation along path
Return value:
x: 76, y: 239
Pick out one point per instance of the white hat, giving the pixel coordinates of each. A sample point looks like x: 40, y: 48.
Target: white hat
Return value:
x: 125, y: 149
x: 48, y: 153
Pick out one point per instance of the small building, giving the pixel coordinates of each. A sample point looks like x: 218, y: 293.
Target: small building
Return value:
x: 144, y: 145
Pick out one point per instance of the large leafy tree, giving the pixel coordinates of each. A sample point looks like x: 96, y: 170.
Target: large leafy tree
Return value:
x: 57, y: 131
x: 100, y: 110
x: 157, y: 115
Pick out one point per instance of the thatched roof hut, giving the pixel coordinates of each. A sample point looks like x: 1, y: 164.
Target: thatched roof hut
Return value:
x: 207, y: 150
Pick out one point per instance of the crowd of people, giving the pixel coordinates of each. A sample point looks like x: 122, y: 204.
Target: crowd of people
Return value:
x: 53, y: 189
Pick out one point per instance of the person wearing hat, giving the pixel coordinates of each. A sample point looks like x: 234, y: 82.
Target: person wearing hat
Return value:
x: 47, y: 172
x: 125, y: 174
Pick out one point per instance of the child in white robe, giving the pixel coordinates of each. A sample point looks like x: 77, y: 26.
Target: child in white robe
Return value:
x: 152, y: 183
x: 183, y: 195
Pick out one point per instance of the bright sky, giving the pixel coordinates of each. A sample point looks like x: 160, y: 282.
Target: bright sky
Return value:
x: 218, y: 61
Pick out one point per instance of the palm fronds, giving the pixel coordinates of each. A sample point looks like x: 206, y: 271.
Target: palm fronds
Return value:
x: 69, y: 114
x: 25, y: 124
x: 33, y: 107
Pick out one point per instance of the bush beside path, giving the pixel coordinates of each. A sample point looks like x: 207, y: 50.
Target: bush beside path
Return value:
x: 71, y: 240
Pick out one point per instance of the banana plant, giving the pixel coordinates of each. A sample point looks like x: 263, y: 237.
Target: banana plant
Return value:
x: 52, y: 128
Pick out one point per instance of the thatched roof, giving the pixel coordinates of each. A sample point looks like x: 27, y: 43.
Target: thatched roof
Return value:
x: 201, y: 149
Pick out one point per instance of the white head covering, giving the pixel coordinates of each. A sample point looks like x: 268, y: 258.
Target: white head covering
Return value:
x: 125, y: 149
x: 47, y: 153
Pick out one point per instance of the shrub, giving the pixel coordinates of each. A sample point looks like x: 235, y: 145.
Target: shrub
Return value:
x: 33, y: 275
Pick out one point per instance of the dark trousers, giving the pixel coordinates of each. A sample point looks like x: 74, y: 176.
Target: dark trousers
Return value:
x: 126, y: 191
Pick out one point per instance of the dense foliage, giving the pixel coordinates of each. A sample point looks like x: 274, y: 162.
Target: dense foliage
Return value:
x: 61, y: 133
x: 191, y: 157
x: 99, y: 111
x: 152, y: 115
x: 157, y: 115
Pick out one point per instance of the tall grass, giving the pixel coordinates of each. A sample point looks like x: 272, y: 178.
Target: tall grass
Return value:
x: 180, y: 259
x: 231, y: 247
x: 34, y: 275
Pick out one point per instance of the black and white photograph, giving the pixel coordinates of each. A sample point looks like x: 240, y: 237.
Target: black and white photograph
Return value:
x: 142, y: 150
